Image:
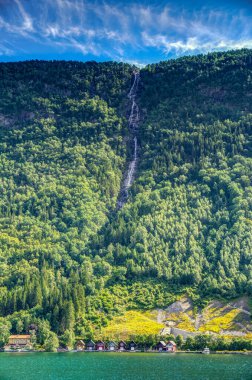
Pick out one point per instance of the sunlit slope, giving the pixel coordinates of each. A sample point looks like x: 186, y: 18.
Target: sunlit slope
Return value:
x: 230, y: 319
x: 130, y: 324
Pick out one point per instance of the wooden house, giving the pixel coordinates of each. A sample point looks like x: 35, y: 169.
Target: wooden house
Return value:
x: 112, y: 346
x: 91, y: 346
x: 80, y: 345
x: 132, y: 346
x: 19, y: 341
x: 122, y: 346
x: 171, y: 346
x: 100, y: 346
x: 161, y: 346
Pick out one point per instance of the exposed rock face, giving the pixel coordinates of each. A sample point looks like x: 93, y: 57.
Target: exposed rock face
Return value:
x: 5, y: 121
x: 184, y: 333
x: 165, y: 331
x: 183, y: 305
x: 233, y: 333
x: 218, y: 317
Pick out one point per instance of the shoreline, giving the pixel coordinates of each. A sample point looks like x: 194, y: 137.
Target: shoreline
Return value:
x: 133, y: 352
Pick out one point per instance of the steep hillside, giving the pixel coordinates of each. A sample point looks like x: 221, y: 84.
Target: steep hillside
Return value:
x: 189, y: 219
x: 69, y: 259
x: 62, y: 159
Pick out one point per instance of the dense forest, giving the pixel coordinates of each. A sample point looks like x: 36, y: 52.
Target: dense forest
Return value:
x: 69, y: 259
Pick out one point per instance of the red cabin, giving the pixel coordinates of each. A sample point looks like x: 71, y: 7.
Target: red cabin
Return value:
x: 100, y: 346
x: 171, y: 346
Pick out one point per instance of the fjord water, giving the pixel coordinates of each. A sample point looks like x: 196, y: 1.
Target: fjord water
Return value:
x: 124, y: 366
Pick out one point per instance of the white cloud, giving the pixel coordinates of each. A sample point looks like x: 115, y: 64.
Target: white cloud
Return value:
x: 85, y: 48
x: 133, y: 62
x: 100, y: 28
x: 27, y: 21
x: 52, y: 30
x: 240, y: 44
x: 5, y: 51
x: 193, y: 44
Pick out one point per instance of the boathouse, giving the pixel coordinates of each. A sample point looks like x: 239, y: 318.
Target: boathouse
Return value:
x: 161, y: 346
x: 111, y: 346
x: 19, y: 341
x: 80, y: 345
x: 91, y: 346
x: 171, y: 346
x: 100, y: 346
x: 122, y: 346
x: 132, y: 346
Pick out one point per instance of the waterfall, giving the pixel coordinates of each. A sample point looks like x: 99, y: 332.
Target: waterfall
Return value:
x: 133, y: 126
x: 132, y: 167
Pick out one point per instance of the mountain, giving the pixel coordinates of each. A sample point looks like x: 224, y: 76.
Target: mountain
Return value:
x: 70, y: 258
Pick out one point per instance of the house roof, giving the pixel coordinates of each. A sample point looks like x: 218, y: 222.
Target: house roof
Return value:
x: 80, y: 342
x: 111, y: 342
x: 100, y: 342
x: 19, y: 337
x: 91, y: 342
x: 162, y: 342
x: 121, y: 341
x: 172, y: 342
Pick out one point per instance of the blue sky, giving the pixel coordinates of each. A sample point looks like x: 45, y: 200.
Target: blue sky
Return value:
x: 131, y: 31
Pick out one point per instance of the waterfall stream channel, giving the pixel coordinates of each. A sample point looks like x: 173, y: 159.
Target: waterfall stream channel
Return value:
x: 133, y: 120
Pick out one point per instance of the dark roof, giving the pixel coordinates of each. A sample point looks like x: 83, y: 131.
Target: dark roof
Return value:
x: 100, y: 342
x: 91, y: 343
x: 111, y: 342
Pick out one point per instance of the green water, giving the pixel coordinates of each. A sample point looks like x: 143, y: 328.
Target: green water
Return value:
x: 124, y: 366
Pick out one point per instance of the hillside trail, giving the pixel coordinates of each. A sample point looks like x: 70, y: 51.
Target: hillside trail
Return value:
x: 133, y: 120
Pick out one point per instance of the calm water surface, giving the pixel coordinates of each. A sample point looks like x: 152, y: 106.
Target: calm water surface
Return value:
x: 124, y: 366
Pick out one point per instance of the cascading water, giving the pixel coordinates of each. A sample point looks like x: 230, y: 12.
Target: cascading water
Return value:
x: 133, y: 126
x: 132, y: 167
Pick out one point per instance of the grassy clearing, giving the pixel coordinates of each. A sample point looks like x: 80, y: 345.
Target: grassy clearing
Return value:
x: 183, y: 321
x: 131, y: 323
x: 220, y: 322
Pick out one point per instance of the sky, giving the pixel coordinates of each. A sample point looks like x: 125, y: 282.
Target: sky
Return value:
x: 138, y: 32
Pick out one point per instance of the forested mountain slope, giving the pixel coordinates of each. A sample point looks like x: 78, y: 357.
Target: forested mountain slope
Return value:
x: 67, y: 255
x: 189, y: 219
x: 62, y: 157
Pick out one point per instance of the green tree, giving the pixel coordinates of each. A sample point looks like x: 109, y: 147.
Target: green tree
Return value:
x: 51, y: 342
x: 19, y: 326
x: 179, y: 340
x: 5, y: 327
x: 68, y: 339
